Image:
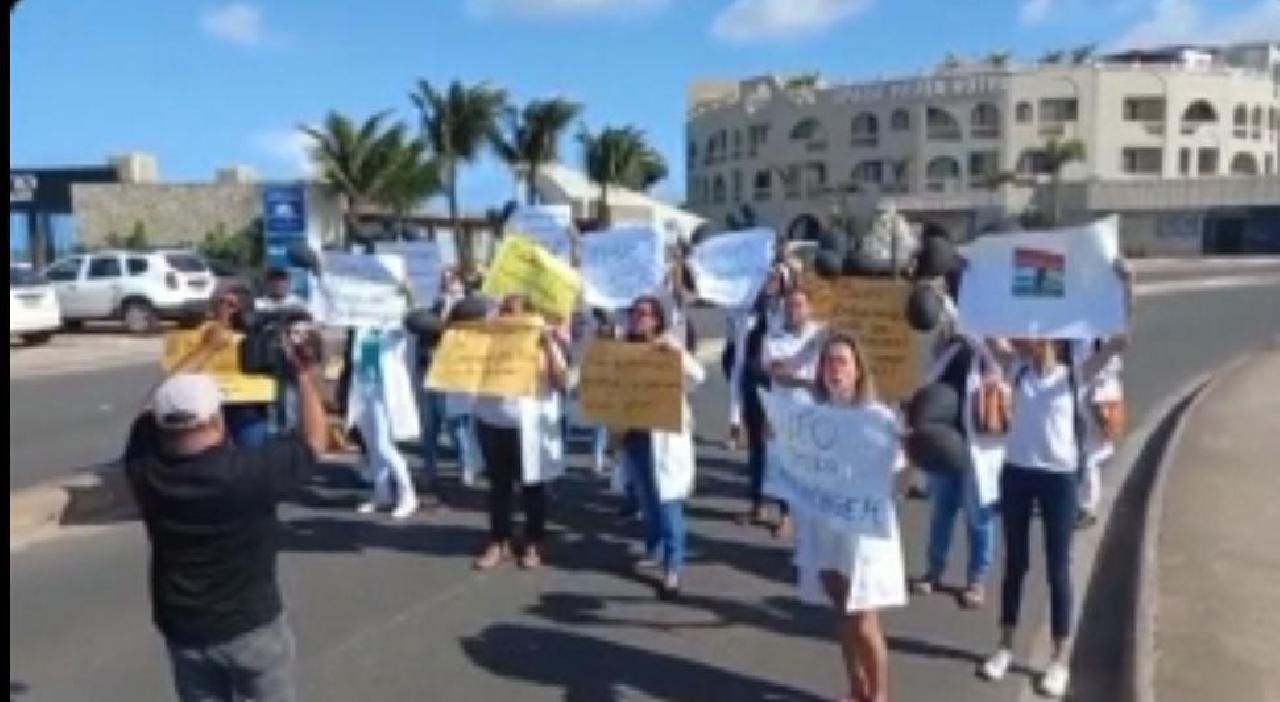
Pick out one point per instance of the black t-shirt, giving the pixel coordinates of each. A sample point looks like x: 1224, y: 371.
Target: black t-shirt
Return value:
x: 956, y: 375
x: 212, y: 522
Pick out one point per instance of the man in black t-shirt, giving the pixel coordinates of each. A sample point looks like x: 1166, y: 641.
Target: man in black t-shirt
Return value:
x: 210, y: 511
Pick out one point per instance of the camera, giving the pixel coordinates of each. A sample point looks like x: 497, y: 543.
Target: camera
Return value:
x: 263, y: 351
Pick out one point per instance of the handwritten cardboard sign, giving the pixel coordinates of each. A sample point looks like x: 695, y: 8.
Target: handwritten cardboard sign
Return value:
x: 523, y: 266
x: 237, y: 387
x: 628, y: 385
x: 495, y: 357
x: 875, y: 310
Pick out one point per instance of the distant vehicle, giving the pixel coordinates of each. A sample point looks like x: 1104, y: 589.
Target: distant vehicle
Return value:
x: 33, y: 306
x: 139, y: 288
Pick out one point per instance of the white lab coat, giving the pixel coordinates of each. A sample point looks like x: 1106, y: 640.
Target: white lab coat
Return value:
x: 986, y: 452
x: 673, y: 456
x: 541, y: 441
x: 397, y: 388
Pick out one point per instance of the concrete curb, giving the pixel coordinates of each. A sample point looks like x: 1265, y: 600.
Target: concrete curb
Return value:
x: 1089, y: 543
x: 96, y: 496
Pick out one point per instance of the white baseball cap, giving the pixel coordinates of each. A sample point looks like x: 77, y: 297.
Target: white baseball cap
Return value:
x: 186, y: 400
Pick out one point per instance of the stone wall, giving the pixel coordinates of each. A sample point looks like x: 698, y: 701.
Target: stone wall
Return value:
x: 181, y: 214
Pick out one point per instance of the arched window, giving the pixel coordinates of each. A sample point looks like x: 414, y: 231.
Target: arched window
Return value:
x: 1244, y: 164
x: 1025, y: 113
x: 1200, y: 112
x: 941, y: 125
x: 806, y: 129
x: 941, y: 171
x: 866, y: 129
x: 984, y: 120
x: 900, y: 120
x: 871, y: 172
x: 1033, y: 162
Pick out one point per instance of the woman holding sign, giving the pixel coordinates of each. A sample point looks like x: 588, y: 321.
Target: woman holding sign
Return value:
x: 661, y: 462
x: 856, y: 573
x: 381, y: 402
x: 522, y: 443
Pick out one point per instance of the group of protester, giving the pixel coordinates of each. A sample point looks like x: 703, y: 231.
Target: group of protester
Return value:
x: 208, y: 475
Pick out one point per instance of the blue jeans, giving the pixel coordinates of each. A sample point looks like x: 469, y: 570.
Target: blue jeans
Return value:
x: 286, y: 410
x: 950, y: 491
x: 665, y: 533
x: 1055, y: 493
x: 248, y: 425
x: 256, y: 665
x: 599, y: 444
x: 432, y: 418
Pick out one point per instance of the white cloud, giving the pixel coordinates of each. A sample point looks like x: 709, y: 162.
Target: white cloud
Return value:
x: 289, y: 150
x: 1034, y: 11
x: 772, y: 20
x: 1184, y: 21
x: 560, y: 8
x: 236, y: 22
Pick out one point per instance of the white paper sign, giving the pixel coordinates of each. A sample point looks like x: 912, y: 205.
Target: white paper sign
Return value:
x: 834, y: 463
x: 729, y: 269
x: 1058, y: 283
x: 423, y: 267
x: 549, y: 225
x: 621, y: 264
x: 359, y: 290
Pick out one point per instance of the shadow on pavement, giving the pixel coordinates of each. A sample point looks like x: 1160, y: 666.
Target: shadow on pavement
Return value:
x: 615, y: 671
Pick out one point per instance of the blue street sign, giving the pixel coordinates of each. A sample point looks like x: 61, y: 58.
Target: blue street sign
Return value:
x: 284, y: 210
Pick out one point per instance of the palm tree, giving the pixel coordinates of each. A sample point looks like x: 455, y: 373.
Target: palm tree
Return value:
x: 1056, y: 155
x: 360, y: 162
x: 418, y: 179
x: 531, y: 137
x: 457, y: 123
x: 620, y: 156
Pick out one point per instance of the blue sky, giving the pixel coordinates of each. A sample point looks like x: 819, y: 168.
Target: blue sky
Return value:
x: 205, y: 84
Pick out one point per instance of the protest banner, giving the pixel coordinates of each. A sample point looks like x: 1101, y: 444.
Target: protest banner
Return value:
x: 495, y: 357
x: 1059, y: 283
x: 224, y: 367
x: 358, y: 290
x: 874, y: 309
x: 521, y: 265
x: 423, y: 268
x: 621, y: 264
x: 729, y: 269
x: 628, y: 385
x: 549, y: 225
x: 834, y: 463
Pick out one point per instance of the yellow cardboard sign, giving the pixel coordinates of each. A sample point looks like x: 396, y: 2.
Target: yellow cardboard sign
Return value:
x: 237, y: 387
x: 521, y: 265
x: 627, y: 385
x: 875, y: 310
x: 495, y: 357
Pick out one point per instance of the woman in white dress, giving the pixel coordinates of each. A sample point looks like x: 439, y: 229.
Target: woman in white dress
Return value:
x: 856, y: 573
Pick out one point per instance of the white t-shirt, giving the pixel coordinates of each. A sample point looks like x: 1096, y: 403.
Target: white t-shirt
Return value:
x: 1042, y: 435
x: 798, y: 352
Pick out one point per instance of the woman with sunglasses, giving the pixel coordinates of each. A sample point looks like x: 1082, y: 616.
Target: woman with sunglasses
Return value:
x: 662, y: 463
x: 857, y: 574
x: 522, y: 444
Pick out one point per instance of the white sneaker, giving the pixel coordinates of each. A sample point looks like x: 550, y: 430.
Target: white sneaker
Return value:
x: 405, y: 509
x: 1054, y: 681
x: 995, y: 667
x: 367, y: 507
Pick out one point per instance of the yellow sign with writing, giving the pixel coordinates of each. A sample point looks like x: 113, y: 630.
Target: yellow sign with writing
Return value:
x: 629, y: 385
x: 224, y: 366
x: 523, y: 266
x: 495, y: 357
x: 875, y: 310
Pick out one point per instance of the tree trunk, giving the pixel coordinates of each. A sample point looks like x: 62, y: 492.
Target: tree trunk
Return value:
x: 531, y: 188
x: 1055, y: 210
x: 462, y: 240
x: 605, y: 219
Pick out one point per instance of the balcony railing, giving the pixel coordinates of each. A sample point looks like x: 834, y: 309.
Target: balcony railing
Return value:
x: 762, y: 196
x: 1052, y: 130
x: 943, y: 133
x: 1154, y: 128
x: 1240, y: 132
x: 868, y: 140
x: 985, y: 132
x: 815, y: 146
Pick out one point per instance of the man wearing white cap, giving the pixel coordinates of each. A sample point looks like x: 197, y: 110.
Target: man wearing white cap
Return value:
x: 210, y: 512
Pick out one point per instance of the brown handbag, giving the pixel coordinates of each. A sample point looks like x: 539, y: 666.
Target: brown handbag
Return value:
x: 992, y: 408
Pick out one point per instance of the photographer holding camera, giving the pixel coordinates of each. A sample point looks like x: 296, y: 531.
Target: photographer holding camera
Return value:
x: 280, y: 307
x: 209, y: 505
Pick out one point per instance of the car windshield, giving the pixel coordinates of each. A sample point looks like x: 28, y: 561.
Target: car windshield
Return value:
x: 186, y: 263
x: 20, y: 277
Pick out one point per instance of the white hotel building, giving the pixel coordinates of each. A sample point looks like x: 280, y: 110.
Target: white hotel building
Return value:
x: 1182, y: 142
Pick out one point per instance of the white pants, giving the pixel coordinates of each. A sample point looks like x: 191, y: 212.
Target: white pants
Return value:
x: 385, y: 459
x: 1091, y: 482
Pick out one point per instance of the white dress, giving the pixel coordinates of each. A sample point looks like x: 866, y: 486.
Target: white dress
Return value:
x: 872, y: 563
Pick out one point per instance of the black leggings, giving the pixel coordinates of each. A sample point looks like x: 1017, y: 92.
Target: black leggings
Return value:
x: 753, y: 421
x: 1055, y: 493
x: 501, y: 449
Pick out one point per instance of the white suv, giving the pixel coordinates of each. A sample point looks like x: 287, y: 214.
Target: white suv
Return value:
x: 140, y: 288
x: 33, y: 306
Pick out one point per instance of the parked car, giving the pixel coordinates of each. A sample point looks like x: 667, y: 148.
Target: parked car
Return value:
x: 139, y: 288
x: 33, y: 306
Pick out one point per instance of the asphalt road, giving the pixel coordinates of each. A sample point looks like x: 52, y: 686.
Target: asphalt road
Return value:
x: 387, y: 611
